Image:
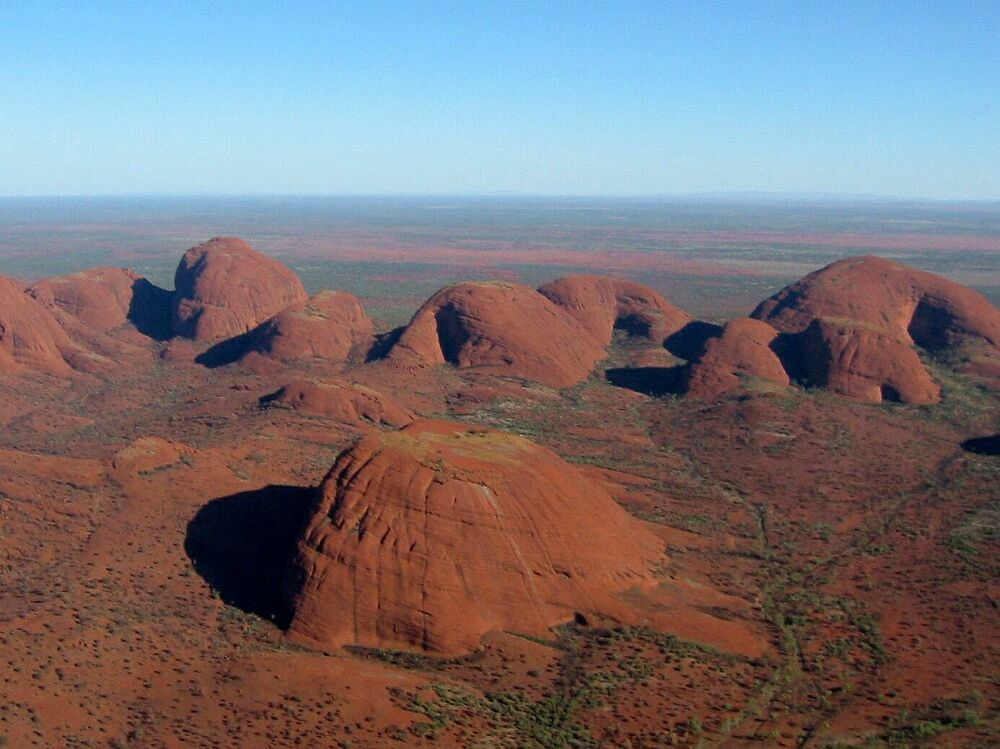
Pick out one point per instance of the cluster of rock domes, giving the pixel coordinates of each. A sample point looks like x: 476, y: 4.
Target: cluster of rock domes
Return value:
x: 429, y: 534
x: 855, y: 327
x: 224, y: 290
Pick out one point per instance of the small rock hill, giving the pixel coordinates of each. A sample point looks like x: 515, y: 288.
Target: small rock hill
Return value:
x: 863, y: 363
x: 434, y: 535
x: 501, y: 328
x: 225, y: 288
x: 102, y: 299
x: 743, y: 350
x: 30, y: 337
x: 344, y: 401
x: 601, y: 304
x: 98, y: 297
x: 331, y: 326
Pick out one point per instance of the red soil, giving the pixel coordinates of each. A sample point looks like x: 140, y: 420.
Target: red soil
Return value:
x: 826, y: 570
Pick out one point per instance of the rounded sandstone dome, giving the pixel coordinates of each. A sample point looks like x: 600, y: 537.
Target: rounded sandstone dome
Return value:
x: 929, y: 309
x: 225, y: 288
x: 99, y: 297
x: 500, y: 328
x: 742, y: 351
x: 431, y: 536
x: 30, y: 337
x: 331, y: 326
x: 347, y: 402
x: 601, y: 304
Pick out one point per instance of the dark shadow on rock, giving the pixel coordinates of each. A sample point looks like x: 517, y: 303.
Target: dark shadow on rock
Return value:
x: 383, y: 344
x: 649, y: 380
x: 788, y: 347
x: 689, y: 342
x: 241, y: 545
x: 149, y: 310
x: 983, y: 445
x: 227, y: 351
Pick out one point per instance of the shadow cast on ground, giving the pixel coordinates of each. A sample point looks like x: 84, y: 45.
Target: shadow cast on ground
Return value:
x: 983, y: 445
x: 241, y: 545
x: 649, y: 380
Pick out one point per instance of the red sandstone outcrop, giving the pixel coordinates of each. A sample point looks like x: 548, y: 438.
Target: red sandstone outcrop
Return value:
x: 864, y: 363
x: 331, y: 326
x: 30, y: 337
x: 434, y: 535
x: 500, y: 328
x: 929, y: 309
x: 601, y: 304
x: 225, y: 288
x: 98, y: 297
x: 344, y: 401
x: 852, y: 327
x: 742, y: 350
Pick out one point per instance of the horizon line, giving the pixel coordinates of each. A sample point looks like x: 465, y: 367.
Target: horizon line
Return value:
x: 708, y: 195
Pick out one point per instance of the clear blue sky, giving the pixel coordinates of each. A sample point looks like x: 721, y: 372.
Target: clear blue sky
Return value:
x: 899, y: 98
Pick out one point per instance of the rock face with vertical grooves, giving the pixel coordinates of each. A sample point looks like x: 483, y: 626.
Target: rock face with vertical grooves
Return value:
x: 864, y: 363
x: 601, y: 304
x: 30, y: 337
x: 500, y: 328
x: 98, y: 297
x: 225, y: 288
x: 431, y: 536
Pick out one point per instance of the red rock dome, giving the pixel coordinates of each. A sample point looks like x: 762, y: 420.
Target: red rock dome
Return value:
x: 601, y: 304
x: 224, y: 288
x: 500, y: 328
x: 344, y: 401
x: 30, y: 337
x: 742, y: 350
x: 854, y: 323
x: 434, y: 535
x: 98, y: 297
x: 331, y: 326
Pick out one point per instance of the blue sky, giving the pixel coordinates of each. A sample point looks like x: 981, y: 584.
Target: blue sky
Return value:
x: 536, y: 97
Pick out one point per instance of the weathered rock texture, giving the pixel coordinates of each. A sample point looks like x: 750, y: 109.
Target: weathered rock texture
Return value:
x: 98, y: 297
x: 225, y: 288
x: 331, y: 326
x: 864, y: 363
x: 434, y: 535
x: 348, y: 402
x: 601, y: 304
x: 743, y: 350
x: 852, y: 326
x: 30, y: 337
x: 501, y: 328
